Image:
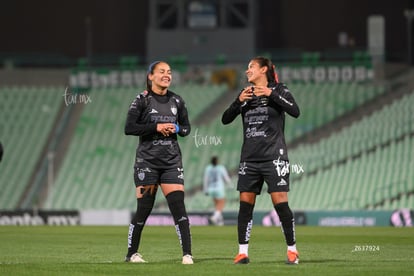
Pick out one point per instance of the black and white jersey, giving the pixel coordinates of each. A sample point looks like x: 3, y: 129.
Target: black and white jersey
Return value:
x: 146, y: 111
x: 263, y: 124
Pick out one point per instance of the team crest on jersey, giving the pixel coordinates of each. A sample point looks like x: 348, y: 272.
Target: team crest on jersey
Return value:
x: 174, y: 110
x: 141, y: 173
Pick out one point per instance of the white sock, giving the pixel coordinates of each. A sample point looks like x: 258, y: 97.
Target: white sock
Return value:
x: 244, y: 249
x: 291, y: 247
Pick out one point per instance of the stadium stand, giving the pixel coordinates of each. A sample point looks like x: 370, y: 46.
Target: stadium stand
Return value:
x: 320, y: 103
x: 27, y: 116
x: 342, y: 171
x: 360, y: 167
x: 349, y: 157
x: 97, y: 171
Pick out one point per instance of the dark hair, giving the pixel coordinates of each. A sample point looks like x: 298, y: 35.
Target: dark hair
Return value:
x: 214, y: 160
x: 271, y: 74
x: 150, y: 70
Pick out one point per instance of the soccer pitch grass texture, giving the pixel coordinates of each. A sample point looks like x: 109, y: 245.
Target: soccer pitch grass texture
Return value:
x: 87, y: 250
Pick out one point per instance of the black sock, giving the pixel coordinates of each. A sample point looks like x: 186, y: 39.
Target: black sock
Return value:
x: 288, y: 222
x: 245, y: 222
x: 144, y: 207
x: 182, y: 225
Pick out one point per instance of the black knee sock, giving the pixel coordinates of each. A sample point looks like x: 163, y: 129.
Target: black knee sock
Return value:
x: 245, y: 222
x: 287, y: 221
x: 144, y: 207
x: 182, y: 225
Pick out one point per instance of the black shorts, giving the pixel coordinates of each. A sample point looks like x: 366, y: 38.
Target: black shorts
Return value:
x: 252, y: 175
x: 149, y: 176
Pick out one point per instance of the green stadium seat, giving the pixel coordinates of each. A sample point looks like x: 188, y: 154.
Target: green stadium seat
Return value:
x: 100, y: 158
x: 27, y: 119
x: 345, y: 166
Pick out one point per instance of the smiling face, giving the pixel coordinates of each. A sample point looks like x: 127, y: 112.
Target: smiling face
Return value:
x: 256, y: 74
x: 160, y: 77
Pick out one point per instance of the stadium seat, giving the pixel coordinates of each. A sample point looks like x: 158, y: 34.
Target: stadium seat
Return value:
x: 28, y: 115
x: 99, y: 160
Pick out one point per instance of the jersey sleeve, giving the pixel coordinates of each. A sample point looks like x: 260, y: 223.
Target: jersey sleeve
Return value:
x: 134, y: 125
x: 283, y: 98
x: 231, y: 112
x: 183, y: 121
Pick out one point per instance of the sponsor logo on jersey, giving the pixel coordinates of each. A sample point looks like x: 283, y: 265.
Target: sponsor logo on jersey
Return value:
x: 163, y: 119
x: 162, y: 142
x: 253, y: 132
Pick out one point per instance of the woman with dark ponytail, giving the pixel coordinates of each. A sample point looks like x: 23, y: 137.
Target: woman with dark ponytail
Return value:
x: 264, y: 156
x: 157, y: 116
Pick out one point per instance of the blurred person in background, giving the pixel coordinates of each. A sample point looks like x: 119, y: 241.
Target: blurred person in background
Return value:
x: 264, y: 156
x: 215, y: 176
x: 157, y: 116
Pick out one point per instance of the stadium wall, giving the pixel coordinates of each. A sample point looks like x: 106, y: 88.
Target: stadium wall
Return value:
x: 34, y: 76
x: 357, y: 218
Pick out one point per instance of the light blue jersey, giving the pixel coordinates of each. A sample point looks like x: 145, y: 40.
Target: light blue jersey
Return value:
x: 214, y: 180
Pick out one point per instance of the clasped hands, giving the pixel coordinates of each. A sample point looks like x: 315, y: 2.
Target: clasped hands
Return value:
x: 248, y: 92
x: 166, y: 128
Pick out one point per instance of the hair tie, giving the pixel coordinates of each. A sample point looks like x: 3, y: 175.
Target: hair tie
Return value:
x: 275, y: 74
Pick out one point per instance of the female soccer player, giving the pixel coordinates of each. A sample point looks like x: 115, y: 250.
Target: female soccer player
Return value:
x: 264, y: 153
x: 157, y: 115
x: 215, y: 176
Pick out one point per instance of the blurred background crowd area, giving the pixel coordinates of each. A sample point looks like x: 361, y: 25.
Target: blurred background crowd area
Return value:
x: 69, y: 70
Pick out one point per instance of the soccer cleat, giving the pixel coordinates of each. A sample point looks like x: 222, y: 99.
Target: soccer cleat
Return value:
x: 220, y: 221
x: 135, y: 258
x: 292, y: 257
x: 241, y: 259
x: 187, y: 259
x: 213, y: 220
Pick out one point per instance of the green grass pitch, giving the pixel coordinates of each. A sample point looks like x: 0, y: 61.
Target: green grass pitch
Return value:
x: 87, y: 250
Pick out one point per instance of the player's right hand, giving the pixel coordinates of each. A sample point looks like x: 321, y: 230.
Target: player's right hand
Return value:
x: 246, y: 94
